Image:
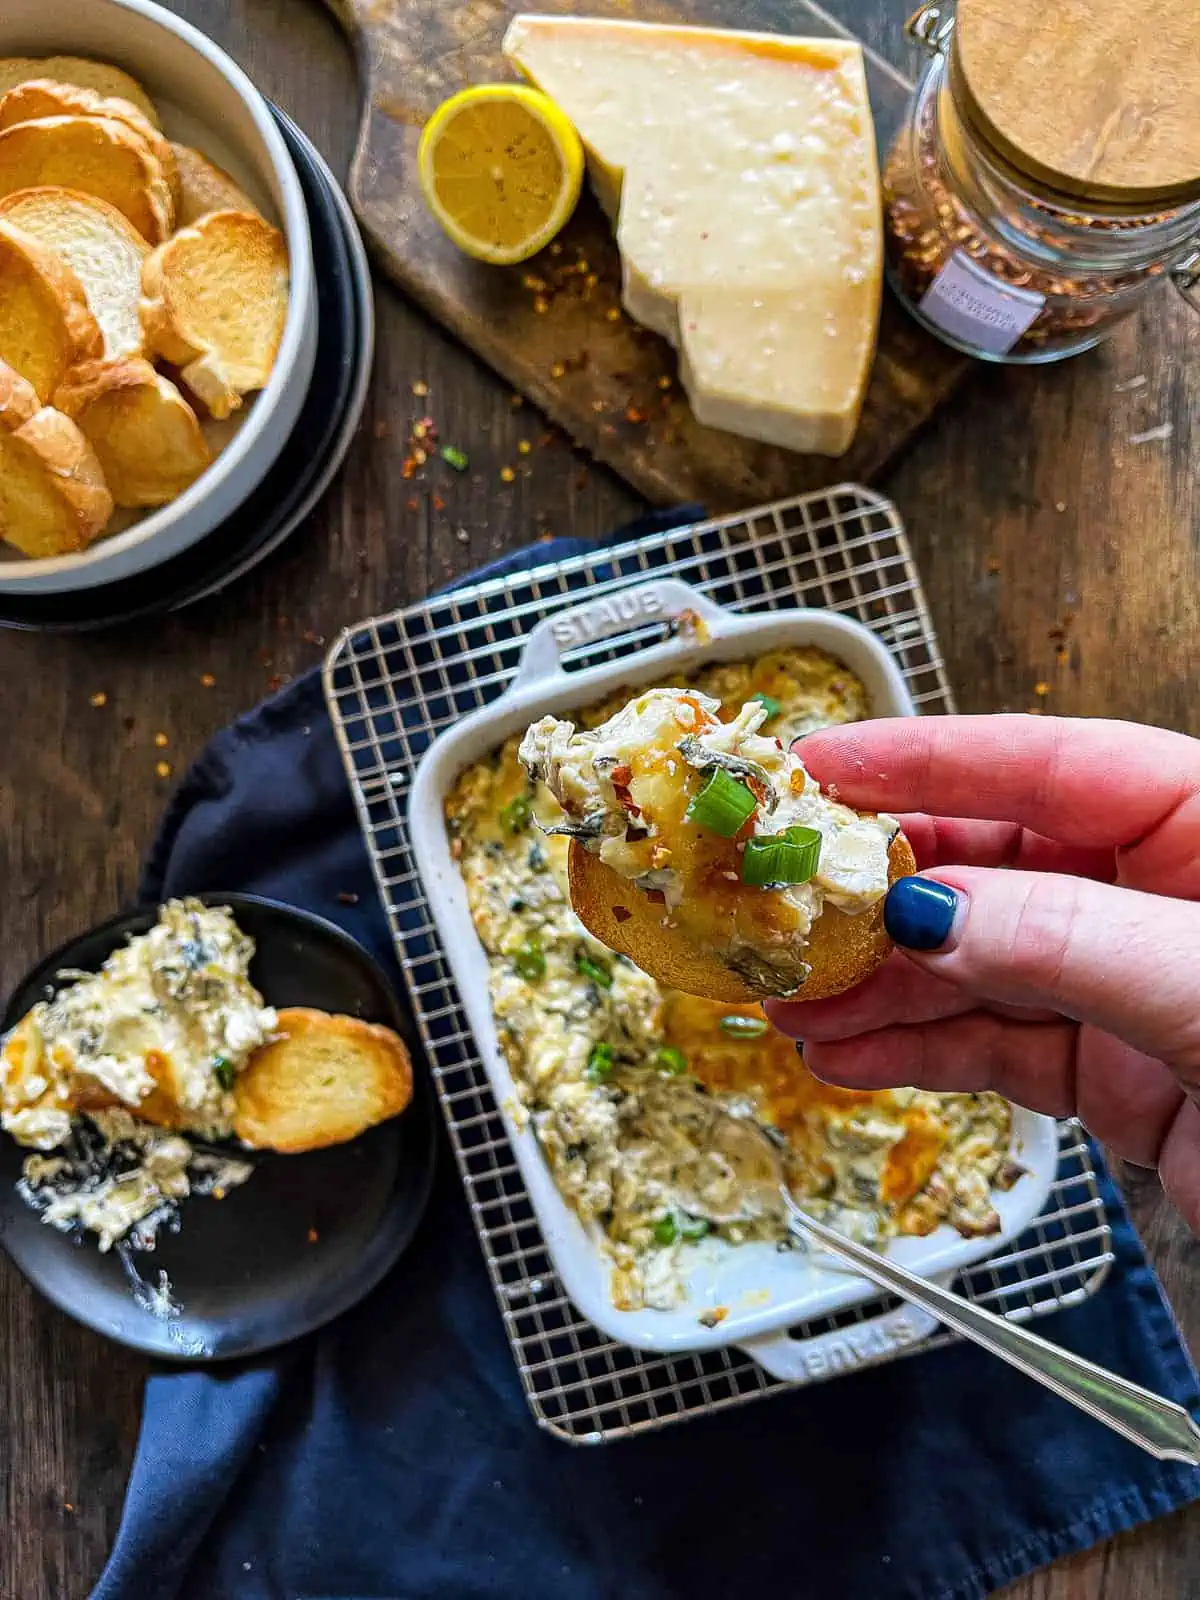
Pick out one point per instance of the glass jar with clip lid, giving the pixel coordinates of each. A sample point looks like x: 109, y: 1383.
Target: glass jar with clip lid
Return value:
x: 1047, y: 177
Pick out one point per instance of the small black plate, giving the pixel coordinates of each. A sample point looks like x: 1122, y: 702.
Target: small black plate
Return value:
x: 343, y: 344
x: 244, y: 1272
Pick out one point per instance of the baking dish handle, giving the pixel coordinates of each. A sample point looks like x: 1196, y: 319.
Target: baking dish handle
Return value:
x: 623, y: 611
x: 826, y: 1355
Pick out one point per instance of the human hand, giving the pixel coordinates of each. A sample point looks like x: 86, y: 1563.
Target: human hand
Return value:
x: 1069, y: 983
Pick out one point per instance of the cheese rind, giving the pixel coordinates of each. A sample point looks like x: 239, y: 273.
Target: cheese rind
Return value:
x: 741, y: 175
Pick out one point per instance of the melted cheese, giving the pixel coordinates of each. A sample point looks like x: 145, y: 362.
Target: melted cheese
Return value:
x: 626, y: 1145
x: 740, y: 170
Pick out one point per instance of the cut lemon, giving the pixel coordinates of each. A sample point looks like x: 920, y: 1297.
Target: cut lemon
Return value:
x: 501, y: 169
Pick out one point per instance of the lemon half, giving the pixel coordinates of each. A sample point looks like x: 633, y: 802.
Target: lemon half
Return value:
x: 500, y: 168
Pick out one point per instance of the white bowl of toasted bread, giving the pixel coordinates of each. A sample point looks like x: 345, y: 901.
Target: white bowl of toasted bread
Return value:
x: 158, y: 315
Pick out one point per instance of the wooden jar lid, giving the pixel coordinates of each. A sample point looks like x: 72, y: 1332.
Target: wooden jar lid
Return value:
x: 1097, y: 98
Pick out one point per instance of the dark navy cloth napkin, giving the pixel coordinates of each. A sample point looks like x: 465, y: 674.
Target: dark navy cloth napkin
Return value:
x: 392, y: 1455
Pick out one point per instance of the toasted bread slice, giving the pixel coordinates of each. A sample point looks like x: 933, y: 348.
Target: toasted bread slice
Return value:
x: 214, y: 302
x: 323, y: 1081
x: 83, y: 74
x: 841, y: 950
x: 204, y: 188
x: 18, y: 398
x: 102, y: 249
x: 46, y: 325
x: 53, y: 499
x: 96, y: 155
x: 43, y: 97
x: 144, y: 433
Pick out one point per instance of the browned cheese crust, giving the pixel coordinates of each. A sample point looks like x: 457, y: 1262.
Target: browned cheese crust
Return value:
x: 842, y: 950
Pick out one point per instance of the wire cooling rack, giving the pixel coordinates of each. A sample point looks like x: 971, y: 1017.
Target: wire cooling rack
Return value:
x: 394, y: 683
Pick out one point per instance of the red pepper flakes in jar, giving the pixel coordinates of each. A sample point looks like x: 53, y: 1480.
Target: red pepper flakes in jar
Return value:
x: 1031, y: 200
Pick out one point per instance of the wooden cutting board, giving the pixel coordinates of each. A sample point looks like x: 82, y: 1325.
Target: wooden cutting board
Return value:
x: 554, y: 328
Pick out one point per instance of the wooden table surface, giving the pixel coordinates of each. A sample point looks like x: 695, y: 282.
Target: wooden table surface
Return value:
x: 1061, y: 558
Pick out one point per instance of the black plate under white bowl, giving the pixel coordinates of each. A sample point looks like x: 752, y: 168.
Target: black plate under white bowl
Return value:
x: 304, y: 1239
x: 309, y: 461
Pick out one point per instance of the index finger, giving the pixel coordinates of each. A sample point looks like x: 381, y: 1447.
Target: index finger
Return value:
x: 1084, y: 782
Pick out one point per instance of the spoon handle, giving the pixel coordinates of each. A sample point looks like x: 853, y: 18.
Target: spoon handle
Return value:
x: 1159, y: 1426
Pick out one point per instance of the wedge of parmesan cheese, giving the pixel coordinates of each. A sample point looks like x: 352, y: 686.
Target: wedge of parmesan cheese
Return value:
x: 741, y: 175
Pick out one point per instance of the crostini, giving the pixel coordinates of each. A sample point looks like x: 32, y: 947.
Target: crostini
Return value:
x: 703, y: 851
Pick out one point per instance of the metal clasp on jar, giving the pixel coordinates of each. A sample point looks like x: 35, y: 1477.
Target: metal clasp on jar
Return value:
x: 1185, y: 275
x: 930, y: 26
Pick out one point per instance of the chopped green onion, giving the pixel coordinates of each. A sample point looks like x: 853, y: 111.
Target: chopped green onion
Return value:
x: 454, y: 457
x: 743, y: 1027
x: 225, y: 1070
x: 517, y: 814
x: 693, y: 1228
x: 769, y: 704
x: 529, y: 960
x: 600, y: 1062
x: 593, y: 970
x: 666, y: 1230
x: 781, y: 858
x: 671, y: 1060
x: 722, y: 805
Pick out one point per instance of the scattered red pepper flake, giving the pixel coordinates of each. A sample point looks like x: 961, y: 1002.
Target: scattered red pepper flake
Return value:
x: 207, y: 681
x: 634, y: 414
x: 438, y: 503
x: 347, y: 897
x: 99, y: 699
x: 413, y: 503
x: 312, y: 1236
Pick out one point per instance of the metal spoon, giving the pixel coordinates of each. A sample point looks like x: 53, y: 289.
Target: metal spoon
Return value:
x: 1159, y: 1426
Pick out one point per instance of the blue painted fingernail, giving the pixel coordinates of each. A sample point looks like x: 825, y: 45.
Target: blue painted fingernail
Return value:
x: 919, y: 913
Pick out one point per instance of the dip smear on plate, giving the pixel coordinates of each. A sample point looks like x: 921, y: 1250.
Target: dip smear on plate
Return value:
x: 613, y: 1071
x: 108, y: 1077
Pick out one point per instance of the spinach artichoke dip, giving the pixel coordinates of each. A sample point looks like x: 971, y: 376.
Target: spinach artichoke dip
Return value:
x: 717, y: 820
x: 106, y: 1080
x: 614, y: 1073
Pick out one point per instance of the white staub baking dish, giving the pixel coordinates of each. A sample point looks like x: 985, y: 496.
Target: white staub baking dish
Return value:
x: 763, y: 1291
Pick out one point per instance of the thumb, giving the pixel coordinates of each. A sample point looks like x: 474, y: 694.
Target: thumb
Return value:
x: 1120, y: 960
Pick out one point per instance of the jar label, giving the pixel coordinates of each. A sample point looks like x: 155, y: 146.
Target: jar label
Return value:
x: 966, y: 301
